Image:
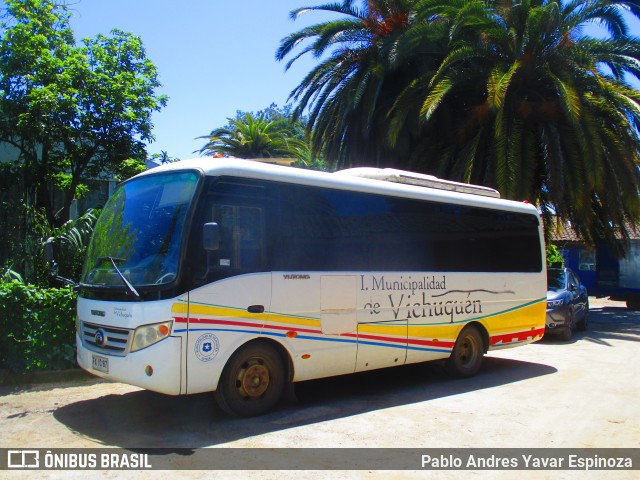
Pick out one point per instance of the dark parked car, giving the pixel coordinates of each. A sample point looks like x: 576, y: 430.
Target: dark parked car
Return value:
x: 567, y: 303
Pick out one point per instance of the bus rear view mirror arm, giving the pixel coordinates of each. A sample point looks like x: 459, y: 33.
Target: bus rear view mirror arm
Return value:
x: 211, y: 236
x: 53, y: 265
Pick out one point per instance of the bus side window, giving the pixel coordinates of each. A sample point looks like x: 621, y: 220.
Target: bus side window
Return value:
x: 241, y: 238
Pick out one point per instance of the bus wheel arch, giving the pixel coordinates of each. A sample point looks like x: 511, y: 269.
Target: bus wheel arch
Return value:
x: 484, y: 333
x: 468, y: 352
x: 254, y: 378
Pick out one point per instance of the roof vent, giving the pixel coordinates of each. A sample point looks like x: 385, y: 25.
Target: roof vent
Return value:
x: 417, y: 179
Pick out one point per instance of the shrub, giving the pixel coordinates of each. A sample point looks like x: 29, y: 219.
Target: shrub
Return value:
x: 38, y: 326
x: 554, y: 257
x: 70, y: 244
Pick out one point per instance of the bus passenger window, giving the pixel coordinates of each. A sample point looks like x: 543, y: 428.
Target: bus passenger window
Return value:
x: 241, y: 237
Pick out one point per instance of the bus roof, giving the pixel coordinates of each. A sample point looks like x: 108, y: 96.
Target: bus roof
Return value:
x: 368, y: 180
x: 418, y: 179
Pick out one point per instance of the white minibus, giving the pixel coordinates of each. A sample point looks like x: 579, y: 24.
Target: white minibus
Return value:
x: 238, y: 277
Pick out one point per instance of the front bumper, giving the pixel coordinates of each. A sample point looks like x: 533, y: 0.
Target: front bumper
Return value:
x: 556, y: 319
x: 155, y: 368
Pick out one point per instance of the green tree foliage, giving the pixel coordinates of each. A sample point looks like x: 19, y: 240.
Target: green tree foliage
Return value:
x: 554, y: 257
x: 72, y: 111
x: 512, y: 95
x: 542, y: 121
x: 283, y: 118
x: 23, y: 227
x: 163, y: 157
x: 262, y: 135
x: 70, y: 242
x: 368, y: 56
x: 295, y: 127
x: 38, y: 327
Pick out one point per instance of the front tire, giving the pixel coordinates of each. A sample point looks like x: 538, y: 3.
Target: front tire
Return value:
x: 467, y: 354
x: 584, y: 323
x: 567, y: 333
x: 252, y: 382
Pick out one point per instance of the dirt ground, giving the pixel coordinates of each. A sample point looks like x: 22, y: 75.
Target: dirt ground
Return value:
x: 582, y: 393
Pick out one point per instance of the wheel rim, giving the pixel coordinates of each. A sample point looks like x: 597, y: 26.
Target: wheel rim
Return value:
x: 253, y: 379
x: 468, y: 351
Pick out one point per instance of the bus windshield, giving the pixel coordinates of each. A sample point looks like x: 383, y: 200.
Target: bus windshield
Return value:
x: 139, y: 235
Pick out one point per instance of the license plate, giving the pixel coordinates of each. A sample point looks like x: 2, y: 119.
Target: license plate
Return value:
x: 100, y: 363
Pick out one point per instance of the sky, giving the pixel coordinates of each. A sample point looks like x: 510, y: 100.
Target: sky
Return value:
x: 214, y: 57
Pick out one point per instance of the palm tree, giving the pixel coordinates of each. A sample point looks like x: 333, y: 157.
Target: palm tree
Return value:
x: 250, y: 136
x: 364, y: 68
x: 509, y: 94
x: 522, y: 103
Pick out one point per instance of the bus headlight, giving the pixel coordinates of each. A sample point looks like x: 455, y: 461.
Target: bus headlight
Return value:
x: 147, y: 335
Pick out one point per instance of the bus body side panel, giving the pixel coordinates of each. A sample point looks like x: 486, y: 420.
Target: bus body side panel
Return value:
x: 520, y: 320
x: 382, y: 329
x: 220, y: 322
x: 437, y: 306
x: 317, y: 328
x: 117, y: 321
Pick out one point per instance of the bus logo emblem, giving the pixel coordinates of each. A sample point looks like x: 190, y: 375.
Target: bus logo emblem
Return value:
x: 100, y: 338
x: 207, y: 347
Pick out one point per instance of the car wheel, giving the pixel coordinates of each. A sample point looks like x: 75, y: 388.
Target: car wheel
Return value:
x: 584, y: 323
x: 567, y: 332
x: 467, y: 354
x: 252, y: 382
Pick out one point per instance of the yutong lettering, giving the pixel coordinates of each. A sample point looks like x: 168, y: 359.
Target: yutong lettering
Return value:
x: 291, y: 276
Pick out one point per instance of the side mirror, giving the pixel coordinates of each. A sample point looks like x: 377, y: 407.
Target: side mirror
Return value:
x: 53, y: 265
x: 48, y: 255
x: 211, y: 236
x: 48, y: 250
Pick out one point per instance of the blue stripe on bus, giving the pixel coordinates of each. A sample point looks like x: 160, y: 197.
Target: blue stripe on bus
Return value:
x: 324, y: 339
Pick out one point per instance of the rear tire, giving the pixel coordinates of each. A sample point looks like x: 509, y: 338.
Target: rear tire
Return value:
x: 467, y: 354
x: 252, y: 382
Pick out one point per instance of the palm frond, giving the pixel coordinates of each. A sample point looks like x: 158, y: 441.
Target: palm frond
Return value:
x: 498, y: 84
x: 435, y: 97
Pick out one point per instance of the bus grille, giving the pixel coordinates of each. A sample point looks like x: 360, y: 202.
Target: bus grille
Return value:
x: 116, y: 340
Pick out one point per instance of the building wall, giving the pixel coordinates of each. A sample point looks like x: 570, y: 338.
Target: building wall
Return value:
x: 602, y: 272
x: 582, y: 260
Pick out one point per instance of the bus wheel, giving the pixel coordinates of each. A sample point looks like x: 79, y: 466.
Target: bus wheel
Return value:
x: 252, y: 382
x: 467, y: 354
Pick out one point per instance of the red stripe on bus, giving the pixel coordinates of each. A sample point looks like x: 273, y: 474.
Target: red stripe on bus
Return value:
x: 517, y: 336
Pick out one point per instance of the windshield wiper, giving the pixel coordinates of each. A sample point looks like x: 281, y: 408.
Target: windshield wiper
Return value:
x: 131, y: 288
